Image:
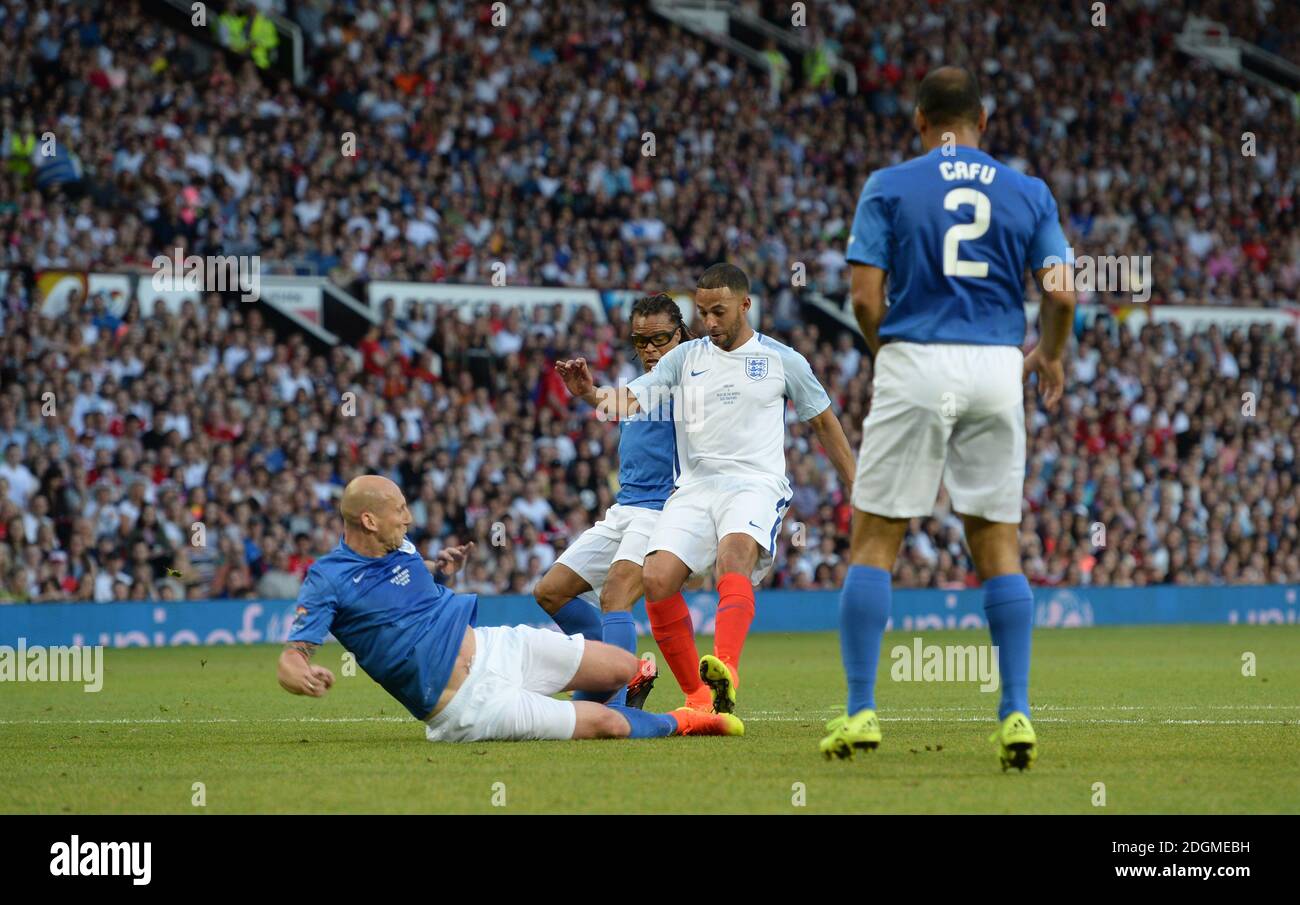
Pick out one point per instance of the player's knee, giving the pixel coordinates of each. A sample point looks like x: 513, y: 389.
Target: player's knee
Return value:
x: 737, y: 553
x: 611, y: 724
x: 595, y: 721
x: 737, y: 562
x: 658, y: 584
x: 606, y: 668
x: 623, y: 667
x: 547, y: 594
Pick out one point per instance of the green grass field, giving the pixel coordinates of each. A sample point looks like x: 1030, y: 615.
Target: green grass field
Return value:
x: 1162, y: 716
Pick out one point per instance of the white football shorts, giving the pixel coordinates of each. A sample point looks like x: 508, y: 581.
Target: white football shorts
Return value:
x: 949, y: 412
x: 701, y: 513
x: 623, y: 534
x: 507, y: 694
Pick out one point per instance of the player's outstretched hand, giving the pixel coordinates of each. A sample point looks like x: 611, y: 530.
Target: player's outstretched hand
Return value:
x: 450, y: 559
x: 321, y: 681
x: 1051, y: 376
x: 308, y: 679
x: 576, y: 376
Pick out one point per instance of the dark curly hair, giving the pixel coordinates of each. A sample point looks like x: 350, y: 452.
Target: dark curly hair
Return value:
x: 661, y: 303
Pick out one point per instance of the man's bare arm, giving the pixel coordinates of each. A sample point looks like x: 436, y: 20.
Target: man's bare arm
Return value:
x: 831, y: 434
x: 614, y: 403
x: 1056, y: 313
x: 867, y: 293
x: 306, y: 648
x: 296, y: 673
x: 1056, y: 318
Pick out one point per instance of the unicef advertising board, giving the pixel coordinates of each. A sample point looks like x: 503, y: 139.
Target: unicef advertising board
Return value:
x: 268, y: 621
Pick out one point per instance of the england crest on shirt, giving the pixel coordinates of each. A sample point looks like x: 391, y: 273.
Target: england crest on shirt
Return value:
x: 756, y: 368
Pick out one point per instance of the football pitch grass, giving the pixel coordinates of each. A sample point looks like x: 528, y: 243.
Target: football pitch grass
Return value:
x: 1162, y: 716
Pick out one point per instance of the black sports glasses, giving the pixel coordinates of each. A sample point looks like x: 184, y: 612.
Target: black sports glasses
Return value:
x: 658, y: 340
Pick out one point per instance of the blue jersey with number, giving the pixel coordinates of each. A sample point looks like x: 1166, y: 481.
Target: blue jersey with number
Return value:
x: 404, y: 628
x: 956, y: 233
x: 647, y: 449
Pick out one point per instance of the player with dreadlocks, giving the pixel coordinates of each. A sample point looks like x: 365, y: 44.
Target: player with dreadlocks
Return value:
x: 603, y: 566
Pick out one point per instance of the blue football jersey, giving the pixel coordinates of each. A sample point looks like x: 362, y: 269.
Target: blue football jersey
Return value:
x: 956, y: 233
x: 647, y: 448
x: 404, y: 628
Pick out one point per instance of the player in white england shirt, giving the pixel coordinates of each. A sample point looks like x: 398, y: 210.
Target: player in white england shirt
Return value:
x: 728, y: 395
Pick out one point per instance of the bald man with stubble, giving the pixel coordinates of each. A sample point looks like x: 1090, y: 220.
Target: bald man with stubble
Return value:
x: 417, y: 638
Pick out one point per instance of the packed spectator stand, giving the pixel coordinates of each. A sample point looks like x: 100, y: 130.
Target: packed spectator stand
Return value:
x: 523, y: 145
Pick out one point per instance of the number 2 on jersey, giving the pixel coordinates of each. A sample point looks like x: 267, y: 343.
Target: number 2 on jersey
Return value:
x: 954, y: 266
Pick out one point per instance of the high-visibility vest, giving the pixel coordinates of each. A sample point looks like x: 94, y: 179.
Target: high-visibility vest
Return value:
x: 817, y: 67
x: 235, y: 24
x: 21, y: 148
x: 265, y: 39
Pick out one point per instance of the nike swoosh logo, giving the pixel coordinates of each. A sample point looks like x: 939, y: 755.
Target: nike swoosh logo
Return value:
x: 759, y: 527
x: 357, y: 580
x: 698, y: 373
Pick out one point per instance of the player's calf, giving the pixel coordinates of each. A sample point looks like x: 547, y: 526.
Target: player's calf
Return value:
x: 597, y: 721
x: 622, y: 588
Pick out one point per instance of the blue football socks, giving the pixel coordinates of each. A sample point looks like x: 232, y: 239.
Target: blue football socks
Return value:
x: 577, y: 617
x: 645, y: 724
x: 1009, y: 606
x: 620, y: 631
x: 864, y: 611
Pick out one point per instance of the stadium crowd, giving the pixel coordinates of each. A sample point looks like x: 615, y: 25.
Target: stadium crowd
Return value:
x: 199, y: 455
x: 440, y: 144
x: 195, y: 455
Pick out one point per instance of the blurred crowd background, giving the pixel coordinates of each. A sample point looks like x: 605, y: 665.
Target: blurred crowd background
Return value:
x: 1173, y: 459
x: 523, y: 144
